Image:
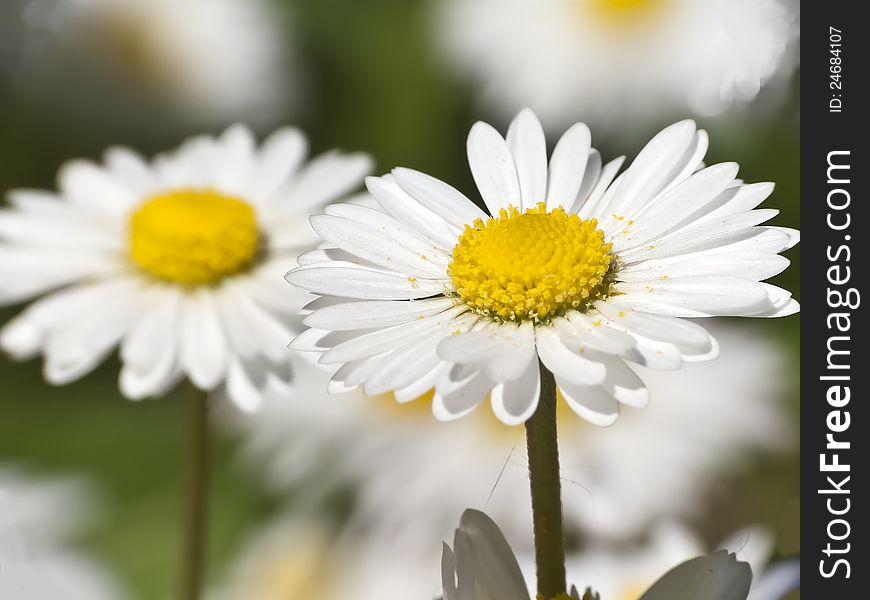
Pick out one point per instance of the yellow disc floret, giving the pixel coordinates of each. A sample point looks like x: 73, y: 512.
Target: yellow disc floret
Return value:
x: 530, y: 266
x: 194, y: 237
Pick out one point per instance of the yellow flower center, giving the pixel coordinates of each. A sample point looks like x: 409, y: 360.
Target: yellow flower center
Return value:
x: 530, y: 266
x: 194, y: 237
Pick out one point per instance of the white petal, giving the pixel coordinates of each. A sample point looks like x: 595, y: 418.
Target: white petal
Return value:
x: 513, y: 402
x: 689, y: 337
x: 374, y: 245
x: 389, y: 226
x: 751, y: 265
x: 442, y: 199
x: 326, y: 178
x: 567, y: 167
x: 590, y: 206
x: 241, y: 389
x: 581, y: 330
x: 673, y: 208
x: 129, y: 168
x: 625, y: 385
x: 279, y: 158
x: 655, y: 167
x: 92, y: 188
x: 204, y: 353
x: 694, y: 296
x: 455, y: 398
x: 493, y: 168
x: 568, y: 365
x: 384, y: 313
x: 655, y: 354
x: 349, y: 281
x: 526, y: 141
x: 405, y: 209
x: 716, y: 577
x: 591, y: 402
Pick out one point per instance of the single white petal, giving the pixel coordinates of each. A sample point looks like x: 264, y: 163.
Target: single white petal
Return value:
x: 129, y: 168
x: 513, y: 402
x: 716, y: 577
x: 526, y: 141
x: 493, y: 168
x: 591, y: 206
x: 241, y: 390
x: 497, y: 573
x: 279, y: 158
x: 625, y: 385
x: 591, y: 402
x: 581, y: 330
x: 567, y: 167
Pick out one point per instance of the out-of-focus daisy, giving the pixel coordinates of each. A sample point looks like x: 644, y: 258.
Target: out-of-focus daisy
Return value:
x: 174, y: 260
x: 481, y: 565
x: 576, y: 268
x: 36, y: 519
x: 216, y: 59
x: 293, y: 558
x: 650, y: 464
x: 603, y: 60
x: 624, y: 575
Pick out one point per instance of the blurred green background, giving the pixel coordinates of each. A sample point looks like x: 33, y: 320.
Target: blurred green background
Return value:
x: 372, y: 82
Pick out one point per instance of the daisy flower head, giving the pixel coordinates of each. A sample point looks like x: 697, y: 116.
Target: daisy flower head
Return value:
x: 38, y: 518
x: 174, y: 260
x: 217, y: 59
x: 571, y: 266
x: 598, y: 58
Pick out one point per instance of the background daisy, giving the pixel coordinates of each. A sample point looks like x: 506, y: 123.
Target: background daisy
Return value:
x: 210, y: 61
x: 662, y: 461
x: 38, y: 517
x: 173, y: 260
x: 607, y: 60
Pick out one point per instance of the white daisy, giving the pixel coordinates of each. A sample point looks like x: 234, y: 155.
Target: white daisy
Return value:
x: 37, y: 518
x: 303, y: 558
x: 481, y: 565
x: 218, y: 59
x: 577, y: 267
x: 650, y: 464
x: 623, y: 575
x: 176, y: 260
x: 604, y: 60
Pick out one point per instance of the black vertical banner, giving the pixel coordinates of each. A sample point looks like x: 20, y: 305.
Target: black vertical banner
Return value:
x: 835, y: 421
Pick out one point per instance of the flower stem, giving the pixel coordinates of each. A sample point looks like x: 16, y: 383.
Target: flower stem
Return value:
x: 546, y: 488
x: 195, y: 494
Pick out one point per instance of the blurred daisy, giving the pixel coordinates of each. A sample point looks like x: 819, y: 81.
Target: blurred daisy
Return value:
x: 575, y: 266
x: 218, y: 59
x: 174, y: 260
x: 649, y: 465
x: 624, y: 575
x: 602, y: 60
x: 36, y: 519
x: 292, y: 558
x: 481, y: 565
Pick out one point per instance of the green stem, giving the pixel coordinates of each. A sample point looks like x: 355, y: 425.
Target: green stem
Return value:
x: 195, y: 495
x: 546, y: 488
